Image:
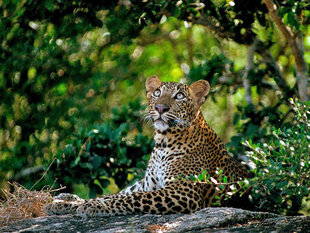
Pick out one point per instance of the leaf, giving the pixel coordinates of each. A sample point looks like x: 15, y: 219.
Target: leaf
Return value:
x: 214, y: 181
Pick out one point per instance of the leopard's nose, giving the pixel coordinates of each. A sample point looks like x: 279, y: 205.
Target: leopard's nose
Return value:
x: 161, y: 108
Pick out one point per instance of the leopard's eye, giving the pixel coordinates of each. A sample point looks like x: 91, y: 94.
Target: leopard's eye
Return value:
x: 180, y: 96
x: 156, y: 93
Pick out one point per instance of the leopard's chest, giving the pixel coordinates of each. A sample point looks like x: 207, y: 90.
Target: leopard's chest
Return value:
x: 158, y: 166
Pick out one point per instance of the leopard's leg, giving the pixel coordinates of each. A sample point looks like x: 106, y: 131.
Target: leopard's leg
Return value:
x: 136, y: 187
x: 64, y: 203
x: 67, y: 203
x: 176, y: 197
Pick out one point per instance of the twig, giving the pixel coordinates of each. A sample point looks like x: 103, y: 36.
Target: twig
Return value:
x: 43, y: 174
x: 83, y: 147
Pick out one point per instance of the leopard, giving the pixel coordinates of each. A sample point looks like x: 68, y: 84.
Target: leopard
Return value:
x: 185, y: 145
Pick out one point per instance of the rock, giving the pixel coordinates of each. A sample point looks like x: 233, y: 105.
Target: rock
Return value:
x: 205, y: 220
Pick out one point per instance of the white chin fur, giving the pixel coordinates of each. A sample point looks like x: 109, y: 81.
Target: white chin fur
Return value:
x: 160, y: 125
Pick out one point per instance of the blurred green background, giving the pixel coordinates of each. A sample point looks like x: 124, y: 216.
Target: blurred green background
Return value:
x: 72, y: 75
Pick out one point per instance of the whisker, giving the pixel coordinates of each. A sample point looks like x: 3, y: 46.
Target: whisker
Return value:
x: 176, y: 120
x: 186, y: 122
x: 145, y: 113
x: 147, y: 118
x: 170, y: 115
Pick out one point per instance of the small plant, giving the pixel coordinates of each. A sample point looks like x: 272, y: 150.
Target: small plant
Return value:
x: 281, y: 166
x: 225, y: 188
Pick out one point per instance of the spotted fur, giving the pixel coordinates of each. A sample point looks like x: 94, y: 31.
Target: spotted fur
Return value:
x: 184, y: 145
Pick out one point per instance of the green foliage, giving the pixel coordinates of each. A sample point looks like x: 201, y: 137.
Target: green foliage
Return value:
x: 116, y: 149
x: 49, y: 84
x: 282, y: 166
x: 211, y: 69
x: 292, y: 12
x: 219, y: 181
x: 254, y: 124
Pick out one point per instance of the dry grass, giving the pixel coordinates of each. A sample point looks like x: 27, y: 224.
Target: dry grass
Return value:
x: 23, y: 203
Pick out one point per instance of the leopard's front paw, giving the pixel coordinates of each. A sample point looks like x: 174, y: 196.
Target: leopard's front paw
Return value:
x: 93, y: 208
x: 64, y: 203
x: 68, y: 197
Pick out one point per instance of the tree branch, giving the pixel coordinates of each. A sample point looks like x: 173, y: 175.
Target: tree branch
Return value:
x: 249, y: 66
x: 296, y: 43
x: 261, y: 49
x: 28, y: 171
x: 273, y: 12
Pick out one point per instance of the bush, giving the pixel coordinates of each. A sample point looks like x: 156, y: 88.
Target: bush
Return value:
x: 115, y: 149
x: 282, y: 169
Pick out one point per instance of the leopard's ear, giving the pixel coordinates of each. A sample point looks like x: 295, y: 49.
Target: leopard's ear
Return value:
x: 151, y: 84
x: 200, y: 90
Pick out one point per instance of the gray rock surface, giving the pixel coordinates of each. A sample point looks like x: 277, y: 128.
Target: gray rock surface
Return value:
x: 205, y: 220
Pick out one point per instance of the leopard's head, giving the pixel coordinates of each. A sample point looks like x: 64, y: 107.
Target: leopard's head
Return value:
x: 174, y: 104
